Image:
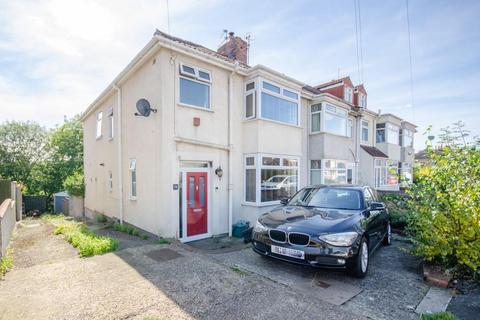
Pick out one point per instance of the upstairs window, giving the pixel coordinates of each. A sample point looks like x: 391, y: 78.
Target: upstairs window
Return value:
x: 99, y: 125
x: 316, y: 111
x: 350, y: 128
x: 250, y: 100
x: 110, y: 123
x: 335, y: 120
x: 279, y: 104
x: 406, y: 138
x: 387, y: 132
x: 348, y: 94
x: 362, y: 100
x: 195, y: 86
x: 392, y: 133
x: 380, y: 136
x: 365, y: 129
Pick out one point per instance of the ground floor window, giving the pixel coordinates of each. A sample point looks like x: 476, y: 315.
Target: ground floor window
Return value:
x: 133, y: 178
x: 270, y: 178
x: 386, y: 172
x: 328, y: 171
x: 406, y: 173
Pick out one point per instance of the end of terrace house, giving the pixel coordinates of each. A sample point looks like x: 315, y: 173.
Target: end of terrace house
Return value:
x: 228, y: 140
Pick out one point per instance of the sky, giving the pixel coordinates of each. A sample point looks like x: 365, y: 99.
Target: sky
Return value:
x: 56, y: 56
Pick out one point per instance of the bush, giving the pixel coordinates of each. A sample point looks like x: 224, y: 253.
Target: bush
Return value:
x: 438, y: 316
x: 446, y: 205
x: 398, y: 209
x: 87, y: 242
x: 74, y: 185
x: 6, y: 262
x: 125, y: 228
x: 101, y: 218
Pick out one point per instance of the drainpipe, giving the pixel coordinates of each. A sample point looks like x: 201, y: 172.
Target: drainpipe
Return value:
x: 119, y: 152
x: 230, y: 163
x: 357, y: 147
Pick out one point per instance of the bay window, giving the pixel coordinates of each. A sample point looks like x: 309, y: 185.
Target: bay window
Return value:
x: 387, y: 132
x: 316, y: 111
x: 349, y: 128
x: 406, y: 138
x: 392, y: 133
x: 194, y: 87
x: 278, y: 104
x: 335, y: 120
x: 329, y: 171
x: 268, y: 178
x: 250, y: 100
x: 274, y: 102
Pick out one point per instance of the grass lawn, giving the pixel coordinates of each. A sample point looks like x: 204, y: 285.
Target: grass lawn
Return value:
x: 87, y: 242
x: 438, y: 316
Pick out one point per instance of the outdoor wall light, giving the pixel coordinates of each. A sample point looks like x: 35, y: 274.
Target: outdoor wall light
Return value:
x: 219, y: 172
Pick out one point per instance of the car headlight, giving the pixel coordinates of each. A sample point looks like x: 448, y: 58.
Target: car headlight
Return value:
x: 344, y: 239
x: 259, y: 227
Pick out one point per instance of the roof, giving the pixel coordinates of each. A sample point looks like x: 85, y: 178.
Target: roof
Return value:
x: 374, y: 152
x: 335, y: 81
x: 312, y: 89
x: 361, y: 88
x: 198, y: 47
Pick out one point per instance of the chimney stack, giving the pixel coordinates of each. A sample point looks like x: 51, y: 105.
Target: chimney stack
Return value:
x: 234, y: 48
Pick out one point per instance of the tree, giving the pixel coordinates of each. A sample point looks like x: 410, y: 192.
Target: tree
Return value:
x: 22, y: 146
x: 446, y: 203
x: 65, y: 157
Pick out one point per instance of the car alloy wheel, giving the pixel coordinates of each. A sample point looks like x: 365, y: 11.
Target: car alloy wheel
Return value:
x: 388, y: 237
x: 364, y: 257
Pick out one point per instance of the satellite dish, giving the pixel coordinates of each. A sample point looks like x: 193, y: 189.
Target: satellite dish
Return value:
x: 143, y: 108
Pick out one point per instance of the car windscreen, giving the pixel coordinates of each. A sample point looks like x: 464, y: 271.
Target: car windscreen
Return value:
x: 276, y: 179
x: 331, y: 198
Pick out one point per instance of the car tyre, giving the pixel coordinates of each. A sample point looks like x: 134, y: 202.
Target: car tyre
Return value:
x: 387, y: 240
x: 359, y: 266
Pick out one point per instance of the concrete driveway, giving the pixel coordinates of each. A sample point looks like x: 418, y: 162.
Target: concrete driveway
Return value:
x: 144, y: 280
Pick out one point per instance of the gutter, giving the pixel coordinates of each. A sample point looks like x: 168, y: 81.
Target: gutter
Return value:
x: 119, y: 152
x: 230, y: 163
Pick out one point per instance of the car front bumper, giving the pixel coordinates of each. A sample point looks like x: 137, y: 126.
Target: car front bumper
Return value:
x: 317, y: 253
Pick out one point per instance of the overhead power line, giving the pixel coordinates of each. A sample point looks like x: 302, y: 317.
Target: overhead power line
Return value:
x: 410, y: 59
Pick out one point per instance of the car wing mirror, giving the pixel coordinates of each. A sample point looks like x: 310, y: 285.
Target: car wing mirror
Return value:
x: 377, y: 206
x: 284, y: 201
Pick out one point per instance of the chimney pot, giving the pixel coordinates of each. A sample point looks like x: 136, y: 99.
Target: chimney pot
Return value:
x: 234, y: 48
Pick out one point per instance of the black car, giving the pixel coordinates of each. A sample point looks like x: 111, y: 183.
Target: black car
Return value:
x: 330, y: 226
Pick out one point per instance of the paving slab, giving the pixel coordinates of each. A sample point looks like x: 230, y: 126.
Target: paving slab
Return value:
x: 436, y: 300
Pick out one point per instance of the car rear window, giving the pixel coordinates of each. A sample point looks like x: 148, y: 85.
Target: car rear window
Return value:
x: 331, y: 198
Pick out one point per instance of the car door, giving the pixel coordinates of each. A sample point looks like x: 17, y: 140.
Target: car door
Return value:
x: 373, y: 225
x: 383, y: 216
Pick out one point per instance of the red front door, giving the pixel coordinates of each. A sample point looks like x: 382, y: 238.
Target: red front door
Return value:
x: 197, y: 207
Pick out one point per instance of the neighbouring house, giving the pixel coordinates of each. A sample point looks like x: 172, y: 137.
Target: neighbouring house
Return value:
x: 225, y: 141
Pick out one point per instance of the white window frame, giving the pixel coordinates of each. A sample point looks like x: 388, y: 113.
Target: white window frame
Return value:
x: 99, y: 125
x: 110, y: 182
x: 258, y: 166
x: 247, y: 93
x: 133, y: 169
x: 409, y: 133
x: 362, y: 100
x: 389, y: 127
x: 111, y: 124
x: 380, y: 166
x: 195, y: 78
x: 348, y: 93
x: 348, y: 166
x: 320, y: 127
x: 259, y: 85
x: 349, y: 127
x: 365, y: 125
x: 339, y: 112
